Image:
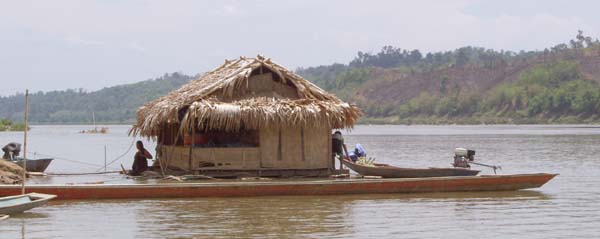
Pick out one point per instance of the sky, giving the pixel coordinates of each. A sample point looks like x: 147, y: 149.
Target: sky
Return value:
x: 60, y: 44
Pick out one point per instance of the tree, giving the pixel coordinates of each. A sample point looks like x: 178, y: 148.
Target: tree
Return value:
x: 461, y: 57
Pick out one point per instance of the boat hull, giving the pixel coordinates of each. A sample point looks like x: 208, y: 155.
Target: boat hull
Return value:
x: 17, y: 204
x: 35, y: 165
x: 386, y: 171
x: 287, y: 187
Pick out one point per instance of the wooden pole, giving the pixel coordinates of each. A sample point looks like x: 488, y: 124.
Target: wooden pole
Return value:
x: 192, y: 144
x: 104, y: 158
x: 330, y: 153
x: 159, y: 151
x: 94, y: 122
x: 25, y: 143
x: 346, y: 156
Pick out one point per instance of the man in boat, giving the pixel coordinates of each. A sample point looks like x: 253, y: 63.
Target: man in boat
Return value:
x: 337, y: 145
x: 140, y: 163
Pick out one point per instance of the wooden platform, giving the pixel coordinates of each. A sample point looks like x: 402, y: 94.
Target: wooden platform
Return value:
x: 236, y: 188
x: 237, y: 173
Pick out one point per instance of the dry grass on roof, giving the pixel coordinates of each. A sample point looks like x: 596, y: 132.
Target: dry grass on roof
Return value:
x: 262, y: 112
x: 315, y: 106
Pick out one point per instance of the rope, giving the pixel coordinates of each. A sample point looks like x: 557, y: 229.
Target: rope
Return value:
x: 86, y: 163
x: 70, y: 174
x: 65, y: 159
x: 120, y: 156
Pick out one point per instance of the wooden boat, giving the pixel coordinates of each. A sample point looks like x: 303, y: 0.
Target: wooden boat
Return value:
x: 388, y: 171
x: 34, y: 165
x: 20, y: 203
x: 236, y: 188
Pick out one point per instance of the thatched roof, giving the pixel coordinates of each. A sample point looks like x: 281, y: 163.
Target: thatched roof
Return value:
x: 218, y: 100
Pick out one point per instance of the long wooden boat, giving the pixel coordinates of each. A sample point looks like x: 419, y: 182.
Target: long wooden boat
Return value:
x: 20, y: 203
x: 34, y: 165
x: 388, y: 171
x: 236, y: 188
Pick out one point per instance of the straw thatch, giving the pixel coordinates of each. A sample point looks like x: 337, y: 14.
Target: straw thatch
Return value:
x: 10, y: 173
x: 218, y: 100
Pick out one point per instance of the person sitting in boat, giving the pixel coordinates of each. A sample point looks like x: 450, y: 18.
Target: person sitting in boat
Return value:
x: 337, y: 145
x: 140, y: 163
x: 358, y: 152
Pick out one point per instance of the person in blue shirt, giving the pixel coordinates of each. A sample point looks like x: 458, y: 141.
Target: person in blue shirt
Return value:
x: 358, y: 152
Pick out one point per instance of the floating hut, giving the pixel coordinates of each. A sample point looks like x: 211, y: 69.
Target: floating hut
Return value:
x: 249, y: 116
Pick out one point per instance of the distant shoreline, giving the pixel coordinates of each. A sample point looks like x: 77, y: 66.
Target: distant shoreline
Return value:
x: 434, y: 120
x: 373, y: 122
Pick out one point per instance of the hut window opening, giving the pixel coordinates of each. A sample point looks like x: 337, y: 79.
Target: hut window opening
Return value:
x: 222, y: 139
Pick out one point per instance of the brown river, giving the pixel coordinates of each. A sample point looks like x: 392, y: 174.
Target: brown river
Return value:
x: 566, y: 207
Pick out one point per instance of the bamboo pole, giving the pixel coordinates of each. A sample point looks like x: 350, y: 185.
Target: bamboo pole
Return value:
x: 330, y: 153
x: 94, y: 122
x: 25, y: 143
x: 192, y: 144
x: 104, y: 158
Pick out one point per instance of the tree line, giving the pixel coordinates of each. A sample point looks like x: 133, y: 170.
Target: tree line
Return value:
x: 117, y: 104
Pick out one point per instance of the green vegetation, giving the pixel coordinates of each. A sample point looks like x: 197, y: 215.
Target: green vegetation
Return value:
x: 7, y: 125
x: 548, y: 92
x: 116, y: 104
x: 341, y: 77
x: 470, y: 85
x: 367, y: 70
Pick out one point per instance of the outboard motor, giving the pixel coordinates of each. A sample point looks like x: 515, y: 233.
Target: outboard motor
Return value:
x: 462, y: 157
x: 11, y: 150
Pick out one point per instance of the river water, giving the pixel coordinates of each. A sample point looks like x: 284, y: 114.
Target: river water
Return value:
x: 568, y: 206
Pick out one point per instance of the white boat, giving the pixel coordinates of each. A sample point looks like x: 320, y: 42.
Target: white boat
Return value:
x: 20, y: 203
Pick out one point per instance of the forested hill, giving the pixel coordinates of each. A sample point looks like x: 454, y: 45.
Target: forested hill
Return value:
x: 559, y: 84
x: 116, y: 104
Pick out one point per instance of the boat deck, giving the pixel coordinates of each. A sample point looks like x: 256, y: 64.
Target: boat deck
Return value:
x: 275, y: 187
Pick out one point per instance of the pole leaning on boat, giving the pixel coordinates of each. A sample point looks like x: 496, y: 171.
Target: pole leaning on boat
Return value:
x: 25, y: 143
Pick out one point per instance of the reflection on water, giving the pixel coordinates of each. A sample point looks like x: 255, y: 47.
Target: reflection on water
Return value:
x: 263, y: 217
x: 565, y: 207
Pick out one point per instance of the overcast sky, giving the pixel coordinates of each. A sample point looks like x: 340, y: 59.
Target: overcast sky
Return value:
x: 54, y: 45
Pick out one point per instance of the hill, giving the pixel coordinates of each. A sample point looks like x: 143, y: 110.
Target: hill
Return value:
x: 471, y: 84
x: 560, y: 84
x: 116, y: 104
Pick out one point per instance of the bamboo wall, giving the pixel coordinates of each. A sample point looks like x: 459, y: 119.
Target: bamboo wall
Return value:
x: 221, y: 158
x: 288, y: 148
